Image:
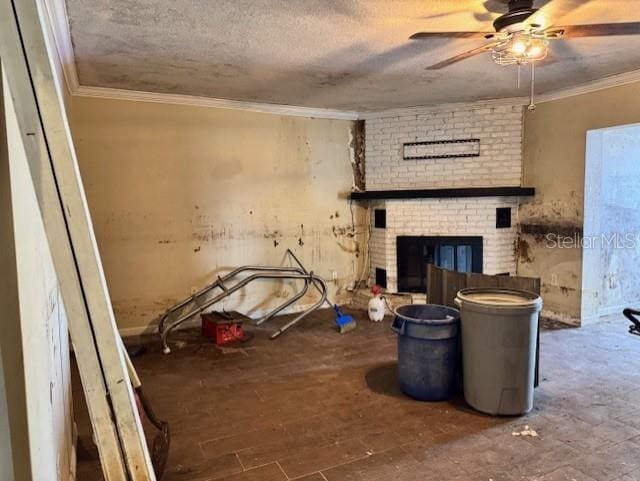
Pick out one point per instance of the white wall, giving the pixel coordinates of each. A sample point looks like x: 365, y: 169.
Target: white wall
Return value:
x: 45, y: 343
x: 611, y: 255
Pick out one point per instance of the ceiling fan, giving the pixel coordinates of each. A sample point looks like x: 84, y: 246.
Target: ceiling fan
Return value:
x: 522, y: 34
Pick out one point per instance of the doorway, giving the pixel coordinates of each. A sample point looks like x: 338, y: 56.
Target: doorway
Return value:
x: 611, y: 243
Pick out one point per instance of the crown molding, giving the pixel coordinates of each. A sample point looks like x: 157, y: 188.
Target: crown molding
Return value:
x: 178, y: 99
x: 110, y: 93
x: 478, y: 104
x: 612, y: 81
x: 592, y: 86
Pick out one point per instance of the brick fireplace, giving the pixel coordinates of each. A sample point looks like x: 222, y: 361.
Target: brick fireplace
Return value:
x: 467, y: 217
x: 452, y: 203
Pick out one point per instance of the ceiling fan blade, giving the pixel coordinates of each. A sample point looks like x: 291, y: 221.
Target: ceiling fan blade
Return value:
x: 600, y: 30
x: 427, y: 35
x: 435, y: 16
x: 483, y: 17
x: 495, y: 6
x: 462, y: 56
x: 553, y: 11
x: 484, y: 11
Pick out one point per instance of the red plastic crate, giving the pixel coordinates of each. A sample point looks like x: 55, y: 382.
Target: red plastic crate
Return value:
x: 222, y: 331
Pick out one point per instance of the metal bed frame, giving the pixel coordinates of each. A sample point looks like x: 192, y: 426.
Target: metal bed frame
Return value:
x: 198, y: 302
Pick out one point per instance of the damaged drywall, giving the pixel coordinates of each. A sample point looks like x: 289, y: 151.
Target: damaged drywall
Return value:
x: 553, y: 163
x: 181, y: 194
x: 358, y: 139
x: 548, y: 246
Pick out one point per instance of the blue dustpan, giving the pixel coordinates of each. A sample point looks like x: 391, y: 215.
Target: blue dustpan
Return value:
x: 344, y: 322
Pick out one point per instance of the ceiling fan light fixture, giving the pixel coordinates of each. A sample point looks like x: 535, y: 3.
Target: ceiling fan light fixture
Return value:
x: 520, y: 48
x: 537, y: 51
x: 522, y: 35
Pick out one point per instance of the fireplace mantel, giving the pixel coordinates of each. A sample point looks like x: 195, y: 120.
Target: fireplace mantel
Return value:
x: 444, y: 193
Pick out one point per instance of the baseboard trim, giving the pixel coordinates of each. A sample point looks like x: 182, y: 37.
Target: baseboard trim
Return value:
x: 152, y: 328
x: 138, y: 330
x: 562, y: 318
x: 610, y: 311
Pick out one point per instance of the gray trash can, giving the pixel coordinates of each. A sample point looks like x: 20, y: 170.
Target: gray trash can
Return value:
x: 499, y: 335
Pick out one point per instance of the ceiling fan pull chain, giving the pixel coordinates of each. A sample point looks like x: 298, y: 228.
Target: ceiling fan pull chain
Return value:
x: 532, y: 105
x: 519, y: 65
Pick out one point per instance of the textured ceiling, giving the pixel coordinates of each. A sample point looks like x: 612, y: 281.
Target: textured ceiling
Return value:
x: 341, y: 54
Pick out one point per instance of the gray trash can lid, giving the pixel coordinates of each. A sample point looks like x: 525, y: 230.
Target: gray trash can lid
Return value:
x: 501, y: 298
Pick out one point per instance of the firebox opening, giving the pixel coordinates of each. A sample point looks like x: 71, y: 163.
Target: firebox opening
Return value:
x: 462, y: 254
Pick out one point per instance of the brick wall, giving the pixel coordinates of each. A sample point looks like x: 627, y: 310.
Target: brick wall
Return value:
x: 445, y: 217
x: 499, y: 129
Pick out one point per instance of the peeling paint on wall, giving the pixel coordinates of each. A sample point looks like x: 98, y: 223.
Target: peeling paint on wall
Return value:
x: 357, y: 144
x: 522, y: 251
x: 540, y: 231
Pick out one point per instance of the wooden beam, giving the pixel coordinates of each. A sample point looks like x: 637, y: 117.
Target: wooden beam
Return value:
x: 56, y: 178
x: 14, y: 67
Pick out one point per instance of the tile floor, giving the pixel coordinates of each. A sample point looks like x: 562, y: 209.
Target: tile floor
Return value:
x: 317, y: 406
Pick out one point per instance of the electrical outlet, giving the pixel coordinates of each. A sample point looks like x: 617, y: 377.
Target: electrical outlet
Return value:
x: 334, y: 275
x: 554, y: 280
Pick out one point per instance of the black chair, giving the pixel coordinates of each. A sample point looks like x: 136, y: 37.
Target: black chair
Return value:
x: 631, y: 315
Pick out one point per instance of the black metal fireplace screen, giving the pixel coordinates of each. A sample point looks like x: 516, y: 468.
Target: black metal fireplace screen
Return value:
x: 462, y: 254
